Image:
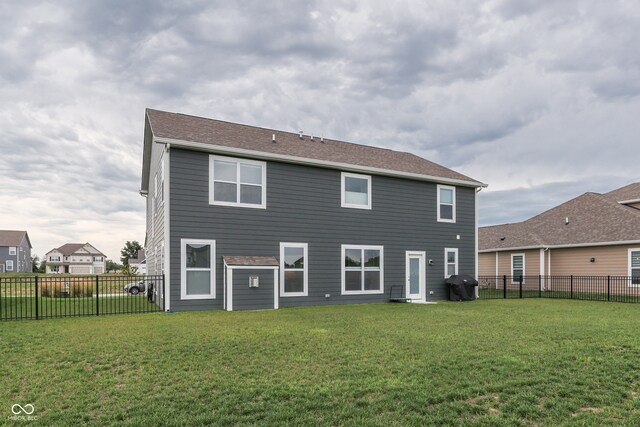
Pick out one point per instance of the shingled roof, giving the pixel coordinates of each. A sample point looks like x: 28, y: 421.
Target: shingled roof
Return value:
x: 216, y: 135
x: 589, y: 219
x: 13, y: 237
x: 70, y: 248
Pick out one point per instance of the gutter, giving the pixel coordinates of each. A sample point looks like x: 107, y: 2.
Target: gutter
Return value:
x: 573, y: 245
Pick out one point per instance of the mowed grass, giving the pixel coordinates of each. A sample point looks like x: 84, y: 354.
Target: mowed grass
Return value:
x: 514, y: 362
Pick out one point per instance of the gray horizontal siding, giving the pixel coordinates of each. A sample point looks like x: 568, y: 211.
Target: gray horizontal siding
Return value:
x: 303, y: 205
x: 246, y: 298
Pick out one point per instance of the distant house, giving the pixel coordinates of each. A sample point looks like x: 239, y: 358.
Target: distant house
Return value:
x: 15, y: 252
x: 241, y: 217
x: 139, y: 263
x: 591, y: 235
x: 76, y: 258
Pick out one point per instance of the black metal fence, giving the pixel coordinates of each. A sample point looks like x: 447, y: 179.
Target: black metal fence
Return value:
x: 41, y: 297
x: 592, y: 288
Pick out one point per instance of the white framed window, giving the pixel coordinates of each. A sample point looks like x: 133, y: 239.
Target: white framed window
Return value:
x: 98, y: 259
x: 237, y: 182
x: 517, y: 268
x: 54, y: 268
x: 634, y: 267
x: 294, y: 268
x: 9, y: 265
x: 450, y: 262
x: 198, y: 269
x: 12, y: 250
x: 362, y: 269
x: 54, y: 258
x: 446, y: 203
x: 356, y: 191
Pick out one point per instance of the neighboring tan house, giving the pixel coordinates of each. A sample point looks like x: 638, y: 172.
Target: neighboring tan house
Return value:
x: 76, y: 258
x: 15, y: 252
x: 139, y: 264
x: 591, y: 235
x: 241, y: 217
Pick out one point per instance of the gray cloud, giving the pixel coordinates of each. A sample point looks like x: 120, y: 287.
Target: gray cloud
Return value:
x: 535, y: 98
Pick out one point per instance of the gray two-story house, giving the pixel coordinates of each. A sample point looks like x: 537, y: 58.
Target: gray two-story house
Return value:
x: 15, y: 252
x: 242, y: 217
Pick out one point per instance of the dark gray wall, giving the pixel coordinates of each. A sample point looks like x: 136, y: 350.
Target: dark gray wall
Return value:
x: 246, y: 298
x: 303, y: 205
x: 21, y: 260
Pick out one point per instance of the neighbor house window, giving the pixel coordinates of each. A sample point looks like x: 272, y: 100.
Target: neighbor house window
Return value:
x: 54, y: 258
x: 98, y: 259
x: 12, y: 250
x: 356, y: 191
x: 9, y: 265
x: 450, y: 262
x: 197, y: 269
x: 237, y: 182
x: 517, y: 267
x: 293, y: 269
x: 634, y: 266
x: 362, y: 269
x: 446, y: 203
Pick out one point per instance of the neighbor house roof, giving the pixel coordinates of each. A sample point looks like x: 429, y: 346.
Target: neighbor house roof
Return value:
x: 71, y: 248
x: 627, y: 193
x: 589, y: 219
x: 141, y: 257
x: 204, y: 134
x: 13, y: 237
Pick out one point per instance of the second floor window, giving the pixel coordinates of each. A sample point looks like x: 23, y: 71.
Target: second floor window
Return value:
x: 356, y: 191
x: 237, y: 182
x: 12, y: 250
x: 54, y: 258
x: 446, y: 203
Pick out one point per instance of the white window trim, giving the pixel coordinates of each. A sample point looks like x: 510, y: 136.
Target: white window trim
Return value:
x: 183, y: 269
x: 305, y: 248
x: 631, y: 284
x: 447, y: 187
x: 12, y: 250
x: 446, y: 263
x: 343, y: 269
x: 343, y: 202
x: 9, y: 265
x: 238, y: 161
x: 513, y: 278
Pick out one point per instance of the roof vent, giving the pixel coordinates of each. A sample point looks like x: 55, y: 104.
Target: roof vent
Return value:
x: 322, y: 138
x: 566, y: 220
x: 502, y: 238
x: 300, y: 135
x: 273, y: 138
x: 312, y: 137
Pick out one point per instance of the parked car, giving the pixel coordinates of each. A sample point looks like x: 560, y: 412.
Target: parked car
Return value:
x: 135, y: 288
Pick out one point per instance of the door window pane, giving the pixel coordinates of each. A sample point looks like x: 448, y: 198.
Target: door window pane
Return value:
x: 414, y: 275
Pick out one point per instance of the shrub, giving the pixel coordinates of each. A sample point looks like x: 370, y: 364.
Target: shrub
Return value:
x: 60, y: 287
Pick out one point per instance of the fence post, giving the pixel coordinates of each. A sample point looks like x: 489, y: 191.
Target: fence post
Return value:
x: 97, y: 295
x: 571, y: 285
x: 37, y: 308
x: 540, y: 286
x: 164, y: 297
x: 504, y: 286
x: 608, y: 288
x: 520, y: 285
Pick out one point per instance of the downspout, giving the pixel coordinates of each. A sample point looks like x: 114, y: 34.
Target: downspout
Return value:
x: 476, y: 237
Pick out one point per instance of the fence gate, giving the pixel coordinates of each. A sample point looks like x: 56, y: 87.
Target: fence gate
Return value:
x: 41, y: 297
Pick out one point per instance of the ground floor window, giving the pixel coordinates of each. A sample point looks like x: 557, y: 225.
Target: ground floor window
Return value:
x: 634, y: 266
x: 197, y: 269
x: 517, y: 267
x: 294, y: 269
x: 9, y: 265
x: 362, y: 269
x: 450, y: 262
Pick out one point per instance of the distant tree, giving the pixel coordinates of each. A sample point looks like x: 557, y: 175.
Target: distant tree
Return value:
x: 130, y: 250
x: 35, y: 261
x: 42, y: 268
x: 113, y: 266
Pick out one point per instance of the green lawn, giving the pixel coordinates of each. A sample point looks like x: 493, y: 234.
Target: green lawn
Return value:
x: 503, y: 362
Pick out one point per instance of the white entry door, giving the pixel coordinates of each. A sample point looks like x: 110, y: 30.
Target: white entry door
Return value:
x: 415, y: 272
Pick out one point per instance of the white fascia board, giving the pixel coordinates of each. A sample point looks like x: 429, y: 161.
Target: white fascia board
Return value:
x: 574, y: 245
x: 313, y: 162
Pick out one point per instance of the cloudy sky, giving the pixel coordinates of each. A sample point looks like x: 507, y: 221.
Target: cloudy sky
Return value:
x: 539, y: 99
